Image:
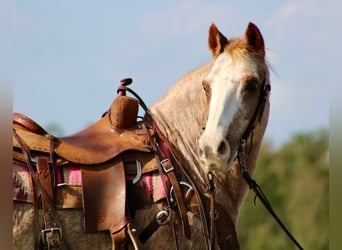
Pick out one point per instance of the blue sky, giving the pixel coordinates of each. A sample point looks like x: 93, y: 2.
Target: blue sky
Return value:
x: 64, y: 59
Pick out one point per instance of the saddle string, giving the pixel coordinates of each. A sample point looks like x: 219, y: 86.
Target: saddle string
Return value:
x: 38, y: 184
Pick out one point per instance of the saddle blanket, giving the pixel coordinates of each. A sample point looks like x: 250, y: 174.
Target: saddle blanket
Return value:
x: 71, y: 176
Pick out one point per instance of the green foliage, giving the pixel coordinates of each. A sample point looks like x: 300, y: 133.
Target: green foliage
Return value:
x: 55, y: 129
x: 295, y: 179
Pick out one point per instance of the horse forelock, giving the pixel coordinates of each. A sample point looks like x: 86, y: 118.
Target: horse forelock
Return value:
x: 239, y: 49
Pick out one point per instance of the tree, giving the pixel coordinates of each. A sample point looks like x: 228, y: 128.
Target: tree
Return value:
x: 55, y: 129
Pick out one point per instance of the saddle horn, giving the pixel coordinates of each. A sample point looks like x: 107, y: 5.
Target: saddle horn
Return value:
x: 124, y: 109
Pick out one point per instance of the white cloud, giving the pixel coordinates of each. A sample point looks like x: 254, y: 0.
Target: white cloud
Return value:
x: 309, y: 22
x: 186, y: 17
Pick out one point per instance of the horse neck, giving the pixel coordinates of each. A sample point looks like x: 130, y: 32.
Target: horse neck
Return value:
x: 181, y: 115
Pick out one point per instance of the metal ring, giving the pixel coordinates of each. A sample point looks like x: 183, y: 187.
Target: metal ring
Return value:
x: 181, y: 183
x: 138, y: 176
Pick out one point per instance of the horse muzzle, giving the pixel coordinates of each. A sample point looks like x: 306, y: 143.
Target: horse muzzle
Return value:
x: 214, y: 152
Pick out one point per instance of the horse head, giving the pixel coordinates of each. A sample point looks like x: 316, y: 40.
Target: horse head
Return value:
x: 233, y: 88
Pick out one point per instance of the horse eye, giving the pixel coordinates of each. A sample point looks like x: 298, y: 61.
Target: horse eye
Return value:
x: 205, y: 86
x: 251, y: 85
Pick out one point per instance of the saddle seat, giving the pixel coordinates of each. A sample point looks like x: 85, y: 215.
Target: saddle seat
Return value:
x: 100, y: 142
x: 117, y: 131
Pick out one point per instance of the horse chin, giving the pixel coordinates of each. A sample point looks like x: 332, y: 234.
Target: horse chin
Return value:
x: 223, y: 166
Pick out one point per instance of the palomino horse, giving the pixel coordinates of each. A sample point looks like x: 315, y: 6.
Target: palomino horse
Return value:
x: 211, y: 117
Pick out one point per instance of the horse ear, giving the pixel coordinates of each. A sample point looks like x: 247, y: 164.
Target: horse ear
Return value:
x: 254, y: 39
x: 216, y: 40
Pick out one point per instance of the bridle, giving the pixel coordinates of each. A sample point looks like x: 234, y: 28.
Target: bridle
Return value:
x: 209, y: 223
x: 242, y: 154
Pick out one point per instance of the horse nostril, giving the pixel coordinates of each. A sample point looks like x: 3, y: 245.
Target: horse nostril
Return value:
x: 222, y: 149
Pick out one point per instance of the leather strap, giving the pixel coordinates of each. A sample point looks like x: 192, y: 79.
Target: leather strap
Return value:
x: 133, y: 237
x: 200, y: 204
x: 225, y: 228
x: 38, y: 187
x: 51, y: 234
x: 169, y: 170
x: 104, y: 196
x: 163, y: 217
x: 180, y: 161
x: 148, y: 231
x: 127, y: 232
x: 166, y: 166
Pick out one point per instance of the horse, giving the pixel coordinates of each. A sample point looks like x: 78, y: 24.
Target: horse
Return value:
x: 212, y: 121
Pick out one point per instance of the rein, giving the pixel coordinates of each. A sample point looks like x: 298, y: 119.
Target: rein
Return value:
x: 260, y: 194
x: 241, y: 157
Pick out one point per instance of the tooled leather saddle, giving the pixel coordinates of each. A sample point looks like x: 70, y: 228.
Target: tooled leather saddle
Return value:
x: 95, y: 169
x: 114, y: 148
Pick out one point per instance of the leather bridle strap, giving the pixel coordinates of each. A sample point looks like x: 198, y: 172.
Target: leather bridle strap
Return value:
x: 241, y: 156
x: 259, y: 193
x: 259, y: 111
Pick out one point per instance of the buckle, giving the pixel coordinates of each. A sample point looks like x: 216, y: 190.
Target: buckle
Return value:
x: 162, y: 217
x: 50, y: 230
x: 166, y: 162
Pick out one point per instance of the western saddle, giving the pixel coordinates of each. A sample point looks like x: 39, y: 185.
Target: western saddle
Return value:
x: 112, y: 154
